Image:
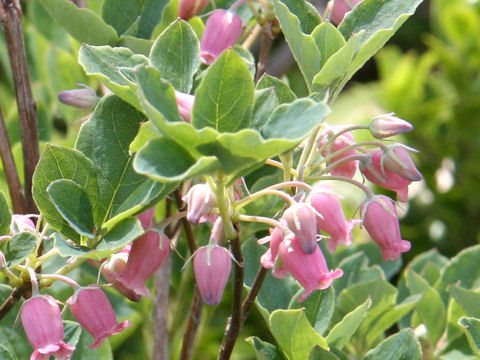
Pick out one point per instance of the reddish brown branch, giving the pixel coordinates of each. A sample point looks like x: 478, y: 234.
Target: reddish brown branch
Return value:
x: 252, y: 294
x: 192, y: 325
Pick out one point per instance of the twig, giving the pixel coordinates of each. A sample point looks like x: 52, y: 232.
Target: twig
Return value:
x: 252, y: 294
x: 234, y: 322
x: 265, y: 47
x: 10, y: 16
x: 13, y: 182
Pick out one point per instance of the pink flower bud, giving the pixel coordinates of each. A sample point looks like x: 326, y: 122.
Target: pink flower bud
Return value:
x: 21, y: 223
x: 200, y: 201
x: 372, y: 169
x: 92, y: 309
x: 185, y: 105
x: 43, y: 326
x: 301, y: 220
x: 387, y: 125
x: 190, y: 8
x: 147, y: 255
x: 310, y: 270
x: 268, y: 259
x: 326, y: 202
x: 222, y: 31
x: 380, y: 219
x: 340, y: 8
x: 211, y: 266
x: 348, y: 168
x: 398, y: 160
x: 85, y: 98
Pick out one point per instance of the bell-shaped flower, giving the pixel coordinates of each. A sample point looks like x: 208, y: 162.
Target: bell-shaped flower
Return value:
x: 373, y: 170
x: 112, y: 270
x: 325, y: 201
x: 200, y: 201
x: 146, y: 256
x: 190, y: 8
x: 340, y: 8
x: 301, y: 220
x: 380, y: 219
x: 42, y: 321
x: 268, y: 259
x: 387, y: 125
x: 146, y: 218
x: 310, y: 270
x: 92, y: 309
x: 348, y: 168
x: 397, y: 159
x: 222, y: 31
x: 185, y: 105
x: 85, y: 98
x: 212, y: 265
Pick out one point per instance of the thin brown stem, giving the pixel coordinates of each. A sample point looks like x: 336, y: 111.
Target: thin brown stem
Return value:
x: 10, y: 16
x: 13, y: 298
x: 234, y: 322
x: 265, y: 47
x: 14, y: 187
x: 252, y: 294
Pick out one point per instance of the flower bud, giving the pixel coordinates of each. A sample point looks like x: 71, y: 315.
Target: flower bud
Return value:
x: 340, y: 8
x: 380, y: 219
x: 372, y: 168
x: 211, y: 266
x: 325, y: 201
x: 21, y: 223
x: 222, y: 31
x: 310, y: 270
x: 112, y: 271
x: 190, y: 8
x: 348, y: 168
x: 200, y: 201
x: 185, y: 105
x: 398, y: 160
x: 92, y: 309
x: 301, y: 220
x: 387, y: 125
x: 85, y: 98
x: 42, y: 321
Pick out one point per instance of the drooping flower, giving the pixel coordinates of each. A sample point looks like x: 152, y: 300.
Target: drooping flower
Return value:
x: 380, y: 219
x: 301, y: 220
x: 310, y: 270
x: 372, y: 168
x: 200, y: 201
x: 112, y: 270
x: 185, y: 105
x: 268, y: 259
x: 387, y: 125
x: 326, y: 202
x: 340, y: 8
x: 190, y: 8
x: 398, y: 160
x: 92, y: 309
x: 222, y: 31
x: 42, y: 321
x: 212, y: 265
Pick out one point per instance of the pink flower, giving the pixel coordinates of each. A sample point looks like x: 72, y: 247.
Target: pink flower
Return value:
x: 340, y: 8
x: 112, y: 271
x: 301, y: 220
x: 185, y: 105
x: 92, y: 309
x: 200, y: 201
x: 190, y: 8
x: 398, y: 160
x: 327, y: 203
x: 268, y: 259
x: 43, y: 326
x: 211, y: 266
x: 85, y: 98
x: 222, y: 31
x: 372, y: 169
x: 387, y: 125
x: 347, y: 168
x: 21, y: 223
x: 380, y: 219
x: 310, y: 270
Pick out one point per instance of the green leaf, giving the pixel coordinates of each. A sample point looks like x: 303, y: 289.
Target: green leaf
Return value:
x: 342, y: 332
x: 57, y: 163
x: 175, y: 54
x: 67, y: 249
x: 430, y: 308
x: 122, y: 14
x: 72, y: 331
x: 306, y: 13
x: 265, y: 102
x: 105, y: 139
x: 294, y: 334
x: 105, y: 62
x: 468, y: 299
x: 264, y: 350
x: 16, y: 345
x: 401, y: 346
x: 321, y: 354
x: 83, y: 24
x: 225, y: 97
x: 5, y: 215
x: 303, y: 46
x: 5, y: 354
x: 283, y: 92
x: 472, y: 330
x: 73, y: 204
x: 18, y: 248
x: 138, y: 46
x: 328, y: 39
